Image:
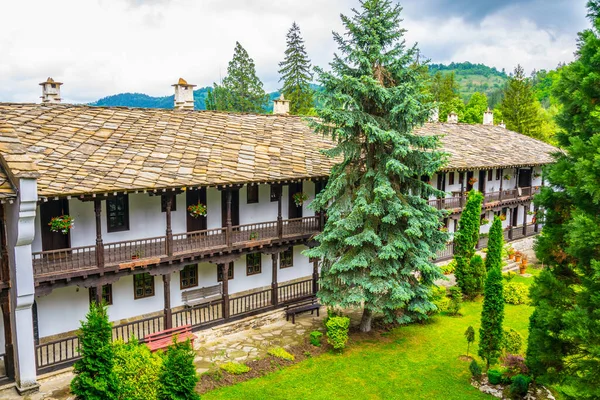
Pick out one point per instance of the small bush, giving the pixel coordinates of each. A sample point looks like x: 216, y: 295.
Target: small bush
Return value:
x: 331, y: 312
x: 512, y: 341
x: 509, y: 276
x: 178, y: 377
x: 516, y: 293
x: 315, y: 338
x: 438, y: 297
x: 337, y: 332
x: 494, y: 377
x: 235, y: 368
x: 280, y: 352
x: 515, y: 365
x: 455, y: 303
x: 475, y: 370
x: 136, y: 369
x: 449, y: 268
x: 520, y: 385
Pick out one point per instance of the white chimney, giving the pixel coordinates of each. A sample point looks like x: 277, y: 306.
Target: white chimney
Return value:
x: 184, y: 95
x: 50, y: 91
x: 281, y: 105
x: 453, y: 118
x: 434, y: 114
x: 502, y: 124
x: 488, y: 117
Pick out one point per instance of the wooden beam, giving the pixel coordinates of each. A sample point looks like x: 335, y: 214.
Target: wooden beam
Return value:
x: 274, y: 295
x: 167, y: 301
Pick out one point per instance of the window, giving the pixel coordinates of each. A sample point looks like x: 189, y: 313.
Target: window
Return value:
x: 106, y: 294
x: 253, y: 264
x: 117, y: 213
x: 163, y: 202
x: 220, y: 272
x: 143, y: 286
x: 451, y: 178
x: 188, y: 277
x: 461, y: 177
x: 252, y: 194
x: 275, y: 190
x: 498, y: 174
x: 490, y: 175
x: 287, y: 259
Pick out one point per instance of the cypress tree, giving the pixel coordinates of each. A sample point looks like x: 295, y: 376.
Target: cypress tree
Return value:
x: 492, y: 314
x: 94, y: 378
x: 295, y: 74
x: 380, y: 230
x: 564, y: 340
x: 495, y: 245
x: 178, y: 377
x: 465, y: 240
x: 475, y: 277
x: 241, y: 89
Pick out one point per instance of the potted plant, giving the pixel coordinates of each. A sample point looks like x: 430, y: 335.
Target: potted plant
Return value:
x: 253, y: 235
x: 62, y: 224
x: 511, y: 253
x: 523, y: 266
x: 443, y: 229
x: 299, y: 198
x: 537, y: 175
x: 502, y: 217
x: 518, y: 256
x: 137, y: 253
x: 472, y: 181
x: 485, y: 221
x: 197, y: 210
x: 507, y: 177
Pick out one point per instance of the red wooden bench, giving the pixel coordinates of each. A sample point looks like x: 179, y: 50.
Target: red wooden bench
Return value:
x: 164, y: 339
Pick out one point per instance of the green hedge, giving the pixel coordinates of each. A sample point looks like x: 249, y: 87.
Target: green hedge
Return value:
x: 516, y: 293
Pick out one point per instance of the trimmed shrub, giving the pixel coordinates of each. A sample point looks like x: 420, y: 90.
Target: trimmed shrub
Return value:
x: 516, y: 293
x: 280, y: 352
x: 235, y: 368
x: 475, y: 278
x: 178, y: 376
x: 455, y: 303
x: 520, y: 385
x: 515, y: 365
x: 315, y: 338
x: 494, y: 376
x: 475, y: 370
x: 137, y: 370
x: 512, y: 341
x: 337, y: 332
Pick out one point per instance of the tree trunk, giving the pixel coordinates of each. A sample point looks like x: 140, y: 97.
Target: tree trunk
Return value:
x: 365, y: 322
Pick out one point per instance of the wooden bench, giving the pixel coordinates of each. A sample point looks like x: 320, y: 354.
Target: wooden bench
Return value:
x: 305, y: 306
x: 196, y: 296
x: 164, y: 339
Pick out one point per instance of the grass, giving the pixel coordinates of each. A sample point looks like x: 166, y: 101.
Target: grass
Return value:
x: 412, y: 362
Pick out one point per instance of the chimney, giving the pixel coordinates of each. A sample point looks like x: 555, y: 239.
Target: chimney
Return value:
x: 488, y: 117
x: 502, y: 124
x: 434, y: 114
x: 453, y: 118
x: 50, y: 91
x: 184, y: 95
x: 281, y: 105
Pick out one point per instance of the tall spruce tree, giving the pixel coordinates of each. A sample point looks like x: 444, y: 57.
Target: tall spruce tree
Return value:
x: 295, y: 71
x: 564, y: 341
x: 492, y: 314
x: 465, y: 241
x: 241, y: 90
x: 381, y: 233
x: 94, y: 377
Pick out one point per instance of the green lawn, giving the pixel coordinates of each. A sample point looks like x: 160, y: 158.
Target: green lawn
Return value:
x: 417, y: 362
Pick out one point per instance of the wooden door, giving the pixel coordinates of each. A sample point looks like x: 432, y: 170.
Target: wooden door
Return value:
x: 482, y: 180
x: 524, y: 178
x: 195, y: 197
x: 235, y: 208
x: 293, y: 210
x: 54, y: 240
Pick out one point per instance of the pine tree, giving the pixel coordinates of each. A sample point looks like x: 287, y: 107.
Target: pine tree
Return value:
x: 178, y: 377
x: 445, y: 92
x: 465, y: 240
x: 241, y: 89
x: 94, y: 377
x: 564, y: 340
x: 295, y: 74
x: 210, y: 100
x: 476, y: 107
x: 380, y: 229
x: 492, y: 314
x: 475, y: 277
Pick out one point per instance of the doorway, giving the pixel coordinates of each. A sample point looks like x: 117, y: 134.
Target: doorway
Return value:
x: 54, y: 240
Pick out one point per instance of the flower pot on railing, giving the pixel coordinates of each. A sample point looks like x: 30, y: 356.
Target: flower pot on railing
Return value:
x: 62, y: 224
x: 299, y: 198
x: 197, y: 210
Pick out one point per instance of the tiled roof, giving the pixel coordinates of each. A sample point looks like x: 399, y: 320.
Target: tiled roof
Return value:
x: 79, y: 150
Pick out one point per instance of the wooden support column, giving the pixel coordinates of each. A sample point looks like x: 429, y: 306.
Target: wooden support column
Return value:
x: 512, y: 218
x: 501, y: 181
x: 279, y: 192
x: 9, y: 358
x: 315, y: 276
x: 168, y: 205
x: 167, y: 301
x: 274, y: 294
x: 99, y: 242
x: 536, y: 226
x: 228, y: 220
x: 225, y: 269
x: 462, y: 188
x: 525, y: 209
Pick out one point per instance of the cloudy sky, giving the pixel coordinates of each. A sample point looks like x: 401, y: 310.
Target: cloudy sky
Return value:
x: 103, y: 47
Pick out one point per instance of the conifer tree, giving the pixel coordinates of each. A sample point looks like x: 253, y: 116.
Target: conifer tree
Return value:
x: 492, y: 314
x: 444, y: 89
x: 241, y: 90
x: 465, y: 241
x: 94, y: 377
x: 476, y: 107
x: 295, y: 71
x: 564, y: 340
x: 380, y: 230
x: 178, y: 377
x: 495, y: 245
x: 210, y: 100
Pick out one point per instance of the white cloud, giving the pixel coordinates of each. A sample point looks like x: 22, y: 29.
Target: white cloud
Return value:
x: 102, y: 47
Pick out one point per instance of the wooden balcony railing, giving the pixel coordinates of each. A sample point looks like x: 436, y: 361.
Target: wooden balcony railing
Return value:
x: 64, y: 261
x: 457, y: 202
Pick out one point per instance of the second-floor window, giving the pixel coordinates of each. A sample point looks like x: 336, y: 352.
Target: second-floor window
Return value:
x: 253, y: 264
x: 143, y: 286
x: 498, y: 174
x: 287, y: 258
x: 163, y: 202
x: 106, y: 294
x: 252, y: 194
x: 117, y: 213
x: 220, y: 272
x: 188, y: 277
x: 275, y: 192
x: 451, y: 178
x: 490, y: 175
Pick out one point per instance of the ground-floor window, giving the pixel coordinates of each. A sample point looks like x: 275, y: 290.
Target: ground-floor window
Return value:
x: 253, y: 264
x: 220, y: 272
x: 188, y: 277
x: 143, y: 285
x: 106, y: 294
x: 287, y: 258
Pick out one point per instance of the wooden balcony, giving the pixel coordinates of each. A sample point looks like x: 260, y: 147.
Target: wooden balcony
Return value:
x: 489, y: 199
x: 80, y: 261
